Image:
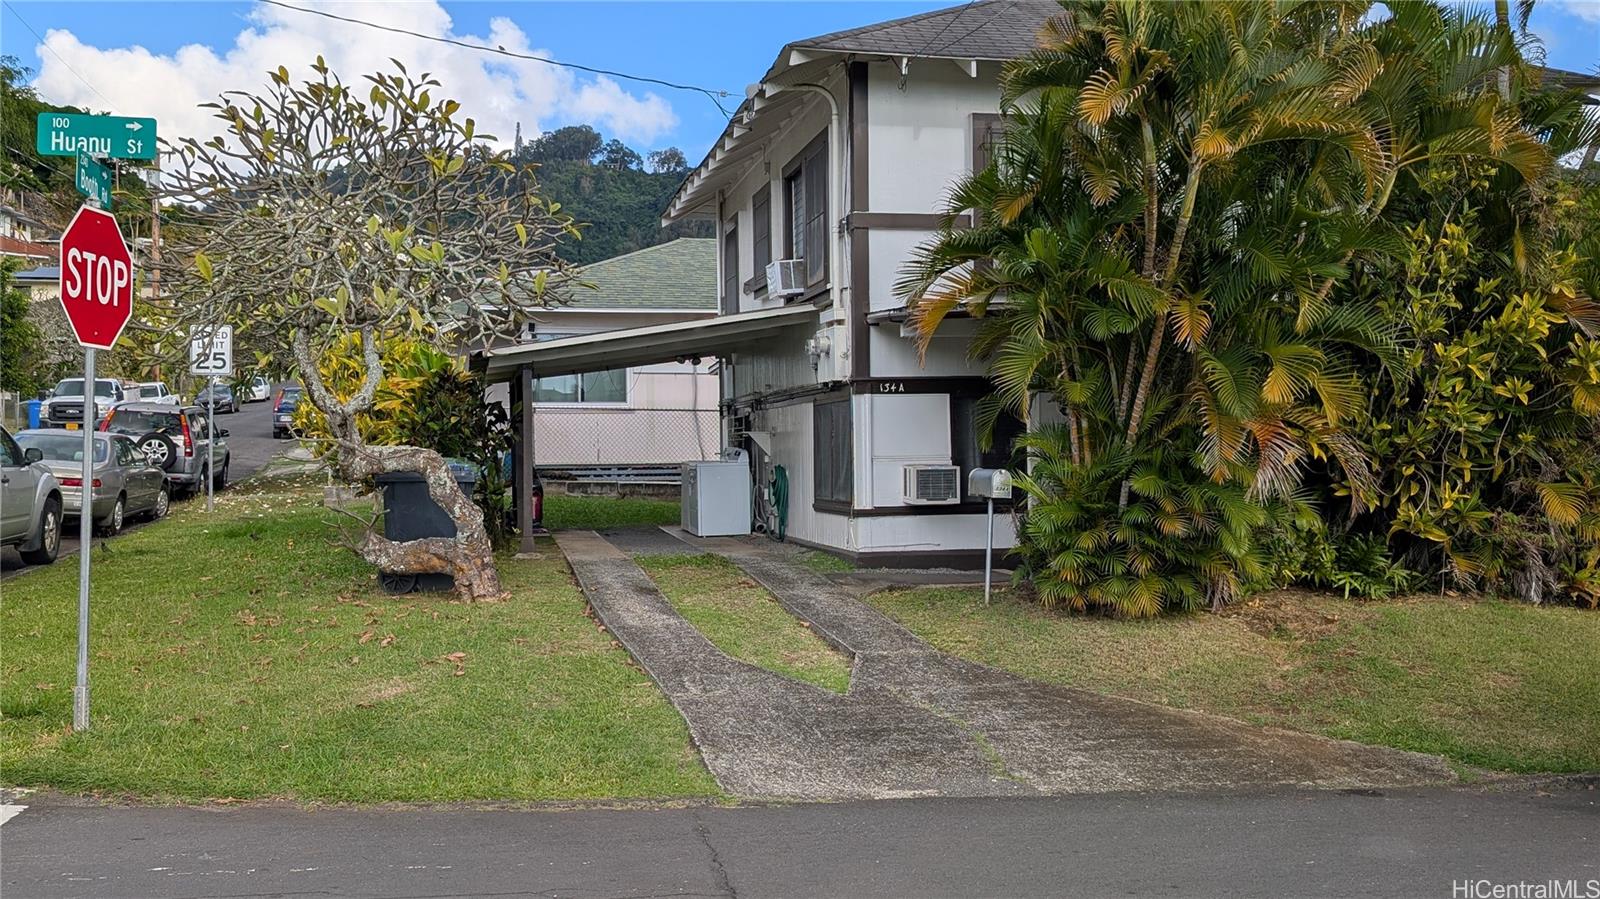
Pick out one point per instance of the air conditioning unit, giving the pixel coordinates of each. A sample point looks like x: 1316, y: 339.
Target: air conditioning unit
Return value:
x: 932, y: 485
x: 786, y: 278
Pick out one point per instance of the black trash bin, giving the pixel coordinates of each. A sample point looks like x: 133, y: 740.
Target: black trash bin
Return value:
x: 409, y: 513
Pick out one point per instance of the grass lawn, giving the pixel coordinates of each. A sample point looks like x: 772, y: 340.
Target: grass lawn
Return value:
x: 1484, y: 683
x: 597, y: 513
x: 241, y: 655
x: 744, y: 621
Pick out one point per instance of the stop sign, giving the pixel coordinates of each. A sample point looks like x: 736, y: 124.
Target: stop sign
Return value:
x: 96, y: 278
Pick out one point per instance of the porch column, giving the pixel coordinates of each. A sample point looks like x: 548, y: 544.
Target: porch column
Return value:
x: 522, y: 455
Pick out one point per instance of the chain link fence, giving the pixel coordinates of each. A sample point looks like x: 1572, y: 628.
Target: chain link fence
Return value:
x: 589, y: 437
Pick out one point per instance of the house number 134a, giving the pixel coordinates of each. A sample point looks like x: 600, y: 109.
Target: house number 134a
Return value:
x: 891, y: 387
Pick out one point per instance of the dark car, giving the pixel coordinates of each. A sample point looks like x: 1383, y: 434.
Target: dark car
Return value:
x: 283, y: 411
x: 175, y: 440
x: 222, y: 394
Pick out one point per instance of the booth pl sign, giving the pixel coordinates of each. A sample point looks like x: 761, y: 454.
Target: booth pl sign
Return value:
x: 96, y: 278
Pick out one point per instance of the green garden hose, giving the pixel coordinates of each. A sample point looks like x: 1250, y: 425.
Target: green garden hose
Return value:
x: 780, y: 501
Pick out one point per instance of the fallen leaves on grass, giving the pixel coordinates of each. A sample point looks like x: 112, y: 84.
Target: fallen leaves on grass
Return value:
x: 458, y: 659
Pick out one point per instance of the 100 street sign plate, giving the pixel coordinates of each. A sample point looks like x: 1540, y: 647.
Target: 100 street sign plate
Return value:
x: 116, y: 137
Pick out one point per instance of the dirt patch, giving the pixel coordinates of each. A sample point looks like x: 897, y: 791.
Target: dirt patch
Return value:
x: 372, y: 694
x: 1296, y: 615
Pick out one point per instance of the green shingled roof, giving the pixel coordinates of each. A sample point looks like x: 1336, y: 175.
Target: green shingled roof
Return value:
x: 680, y: 274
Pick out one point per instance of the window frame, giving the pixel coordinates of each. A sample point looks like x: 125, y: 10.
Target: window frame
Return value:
x: 760, y: 239
x: 824, y: 496
x: 627, y: 382
x: 806, y: 165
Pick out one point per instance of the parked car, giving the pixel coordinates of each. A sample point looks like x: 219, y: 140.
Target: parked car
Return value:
x: 30, y: 503
x: 257, y: 390
x: 65, y: 408
x: 283, y: 412
x: 174, y: 440
x: 125, y: 483
x: 226, y: 400
x: 155, y: 392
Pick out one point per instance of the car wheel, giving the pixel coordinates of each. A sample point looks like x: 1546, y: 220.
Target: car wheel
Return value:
x: 159, y: 449
x: 163, y: 504
x: 221, y: 480
x: 49, y: 537
x: 111, y: 525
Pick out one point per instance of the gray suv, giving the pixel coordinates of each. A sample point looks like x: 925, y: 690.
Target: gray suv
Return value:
x: 30, y: 503
x: 174, y: 439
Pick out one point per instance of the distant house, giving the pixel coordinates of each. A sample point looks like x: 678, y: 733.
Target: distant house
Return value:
x: 630, y: 417
x: 22, y: 234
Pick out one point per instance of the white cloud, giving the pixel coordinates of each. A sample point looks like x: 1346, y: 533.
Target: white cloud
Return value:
x: 1588, y: 10
x: 497, y: 91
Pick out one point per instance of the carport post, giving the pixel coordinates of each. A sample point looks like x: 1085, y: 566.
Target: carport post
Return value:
x: 522, y: 456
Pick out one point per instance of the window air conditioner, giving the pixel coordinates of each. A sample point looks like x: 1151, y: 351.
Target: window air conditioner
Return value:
x: 932, y: 485
x: 786, y: 278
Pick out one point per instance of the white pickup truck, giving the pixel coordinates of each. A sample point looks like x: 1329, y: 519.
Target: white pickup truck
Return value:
x: 155, y: 392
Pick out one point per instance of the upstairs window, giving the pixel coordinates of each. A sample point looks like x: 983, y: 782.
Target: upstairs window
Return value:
x: 760, y: 237
x: 730, y: 268
x: 805, y: 198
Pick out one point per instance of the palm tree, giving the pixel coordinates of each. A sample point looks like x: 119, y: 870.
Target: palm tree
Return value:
x: 1157, y: 238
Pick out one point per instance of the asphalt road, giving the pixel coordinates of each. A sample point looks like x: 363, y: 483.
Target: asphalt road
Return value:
x: 1404, y: 843
x: 250, y: 443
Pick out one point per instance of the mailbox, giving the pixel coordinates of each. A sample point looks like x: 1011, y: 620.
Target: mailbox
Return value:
x: 993, y: 483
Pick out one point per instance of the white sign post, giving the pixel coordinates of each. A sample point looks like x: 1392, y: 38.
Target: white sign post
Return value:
x: 211, y: 356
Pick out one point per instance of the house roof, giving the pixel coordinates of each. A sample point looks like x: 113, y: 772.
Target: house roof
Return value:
x: 985, y: 29
x: 679, y: 274
x: 48, y: 274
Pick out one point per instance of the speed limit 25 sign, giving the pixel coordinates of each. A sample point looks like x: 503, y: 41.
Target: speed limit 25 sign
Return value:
x: 211, y: 351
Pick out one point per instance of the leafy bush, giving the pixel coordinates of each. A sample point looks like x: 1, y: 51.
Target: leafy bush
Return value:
x: 428, y: 399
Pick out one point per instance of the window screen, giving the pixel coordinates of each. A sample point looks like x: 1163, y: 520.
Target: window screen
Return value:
x: 835, y: 471
x: 805, y: 194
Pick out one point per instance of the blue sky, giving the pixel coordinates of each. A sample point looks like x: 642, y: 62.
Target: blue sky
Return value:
x: 160, y: 58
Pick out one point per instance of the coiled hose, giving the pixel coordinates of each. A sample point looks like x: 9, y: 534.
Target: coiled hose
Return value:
x: 780, y: 502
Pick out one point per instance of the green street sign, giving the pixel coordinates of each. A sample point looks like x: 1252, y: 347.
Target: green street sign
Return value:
x: 93, y: 180
x: 114, y: 137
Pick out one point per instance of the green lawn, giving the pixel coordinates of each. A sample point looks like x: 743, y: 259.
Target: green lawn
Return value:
x: 1484, y: 683
x: 242, y: 655
x: 744, y: 621
x: 597, y: 513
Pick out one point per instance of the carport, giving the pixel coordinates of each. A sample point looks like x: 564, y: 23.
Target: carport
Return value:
x: 518, y: 365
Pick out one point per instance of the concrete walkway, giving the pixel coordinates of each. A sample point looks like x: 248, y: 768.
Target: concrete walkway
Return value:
x: 917, y: 722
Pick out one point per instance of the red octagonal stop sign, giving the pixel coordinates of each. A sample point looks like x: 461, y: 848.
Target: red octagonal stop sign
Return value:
x: 96, y: 278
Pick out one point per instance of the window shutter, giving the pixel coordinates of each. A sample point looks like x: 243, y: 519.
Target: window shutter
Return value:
x: 730, y: 269
x: 761, y: 232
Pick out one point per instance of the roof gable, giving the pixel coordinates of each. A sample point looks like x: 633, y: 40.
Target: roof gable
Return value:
x: 679, y: 274
x: 984, y: 29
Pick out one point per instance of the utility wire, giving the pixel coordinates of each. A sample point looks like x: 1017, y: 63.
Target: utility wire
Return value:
x: 13, y: 8
x: 716, y: 96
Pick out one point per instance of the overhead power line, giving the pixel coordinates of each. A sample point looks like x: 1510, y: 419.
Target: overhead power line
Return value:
x: 75, y: 72
x: 716, y: 96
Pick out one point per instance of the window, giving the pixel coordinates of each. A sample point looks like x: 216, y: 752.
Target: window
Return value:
x: 10, y: 453
x: 832, y: 448
x: 760, y: 237
x: 965, y: 418
x: 609, y: 386
x: 124, y: 453
x: 805, y: 197
x: 730, y: 268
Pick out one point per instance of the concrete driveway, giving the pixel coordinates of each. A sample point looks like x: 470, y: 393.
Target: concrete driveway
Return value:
x: 917, y: 722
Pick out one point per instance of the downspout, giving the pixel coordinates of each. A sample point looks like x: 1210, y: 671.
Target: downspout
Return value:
x: 838, y: 176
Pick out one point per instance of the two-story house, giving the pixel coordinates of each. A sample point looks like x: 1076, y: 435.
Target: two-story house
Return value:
x: 834, y: 167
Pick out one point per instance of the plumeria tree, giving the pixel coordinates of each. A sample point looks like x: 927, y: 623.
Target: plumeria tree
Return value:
x: 326, y: 213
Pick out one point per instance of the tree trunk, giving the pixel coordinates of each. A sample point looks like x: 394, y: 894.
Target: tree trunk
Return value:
x: 468, y: 557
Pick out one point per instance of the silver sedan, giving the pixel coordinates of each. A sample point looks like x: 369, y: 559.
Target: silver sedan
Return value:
x: 125, y: 483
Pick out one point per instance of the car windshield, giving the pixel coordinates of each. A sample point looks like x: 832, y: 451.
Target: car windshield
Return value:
x: 62, y: 447
x: 74, y: 387
x: 137, y: 422
x: 150, y: 391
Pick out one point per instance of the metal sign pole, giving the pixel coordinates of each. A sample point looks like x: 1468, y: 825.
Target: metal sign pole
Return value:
x: 211, y: 444
x: 80, y: 692
x: 988, y: 554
